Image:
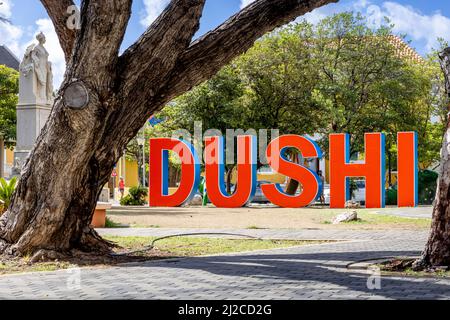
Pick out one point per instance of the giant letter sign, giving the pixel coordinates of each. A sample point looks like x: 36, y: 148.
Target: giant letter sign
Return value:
x: 407, y: 166
x: 159, y: 172
x: 311, y: 183
x: 341, y: 169
x: 215, y: 171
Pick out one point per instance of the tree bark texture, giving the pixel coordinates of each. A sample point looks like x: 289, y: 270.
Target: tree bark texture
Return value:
x: 292, y: 184
x: 437, y: 249
x: 76, y: 151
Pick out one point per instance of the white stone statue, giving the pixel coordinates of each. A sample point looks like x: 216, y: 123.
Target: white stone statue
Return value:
x: 36, y: 74
x: 35, y: 99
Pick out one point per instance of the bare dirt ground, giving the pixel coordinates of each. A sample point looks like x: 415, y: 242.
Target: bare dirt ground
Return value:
x: 260, y: 217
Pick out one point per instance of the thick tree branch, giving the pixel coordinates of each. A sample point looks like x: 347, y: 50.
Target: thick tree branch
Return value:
x: 207, y: 55
x: 103, y: 25
x: 143, y: 69
x: 444, y: 57
x: 157, y: 50
x: 75, y: 152
x: 146, y: 73
x: 57, y: 11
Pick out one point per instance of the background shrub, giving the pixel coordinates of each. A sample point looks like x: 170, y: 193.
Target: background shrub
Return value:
x: 136, y: 197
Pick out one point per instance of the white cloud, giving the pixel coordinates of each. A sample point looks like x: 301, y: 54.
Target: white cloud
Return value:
x: 361, y: 4
x: 10, y: 36
x: 9, y: 33
x: 322, y: 12
x: 314, y: 16
x: 245, y: 3
x: 153, y: 9
x: 5, y: 8
x: 419, y: 27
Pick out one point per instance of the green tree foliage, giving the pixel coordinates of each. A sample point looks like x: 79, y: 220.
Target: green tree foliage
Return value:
x: 136, y: 197
x: 280, y: 76
x: 216, y: 103
x: 365, y: 84
x: 9, y: 88
x: 435, y: 106
x: 337, y: 76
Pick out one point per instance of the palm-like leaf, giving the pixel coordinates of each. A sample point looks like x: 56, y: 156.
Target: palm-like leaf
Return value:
x: 6, y: 191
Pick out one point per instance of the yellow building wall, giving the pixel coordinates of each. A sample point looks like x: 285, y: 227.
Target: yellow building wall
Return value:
x: 129, y: 171
x: 270, y: 177
x: 393, y: 178
x: 9, y: 157
x: 131, y: 176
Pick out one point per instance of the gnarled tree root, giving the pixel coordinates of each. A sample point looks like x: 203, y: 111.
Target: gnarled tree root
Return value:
x: 3, y: 246
x: 420, y: 264
x: 92, y: 242
x: 91, y: 248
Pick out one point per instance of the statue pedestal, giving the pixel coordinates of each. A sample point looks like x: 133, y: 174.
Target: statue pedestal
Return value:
x: 30, y: 120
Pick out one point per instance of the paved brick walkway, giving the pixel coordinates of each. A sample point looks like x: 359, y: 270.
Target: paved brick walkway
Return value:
x: 311, y: 234
x: 307, y: 272
x: 417, y: 212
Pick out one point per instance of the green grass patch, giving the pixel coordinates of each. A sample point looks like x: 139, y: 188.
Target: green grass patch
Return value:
x: 420, y: 274
x: 22, y: 266
x: 196, y: 246
x: 403, y: 267
x: 388, y: 219
x: 372, y: 219
x: 166, y: 248
x: 109, y: 223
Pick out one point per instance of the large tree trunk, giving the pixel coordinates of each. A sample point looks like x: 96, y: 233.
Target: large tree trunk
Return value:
x: 292, y: 184
x: 437, y: 250
x: 76, y: 151
x: 229, y: 177
x: 60, y: 182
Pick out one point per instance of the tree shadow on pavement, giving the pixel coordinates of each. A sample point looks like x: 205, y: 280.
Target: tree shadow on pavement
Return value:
x: 303, y: 269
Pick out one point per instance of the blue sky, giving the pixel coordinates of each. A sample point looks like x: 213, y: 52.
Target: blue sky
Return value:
x: 422, y: 20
